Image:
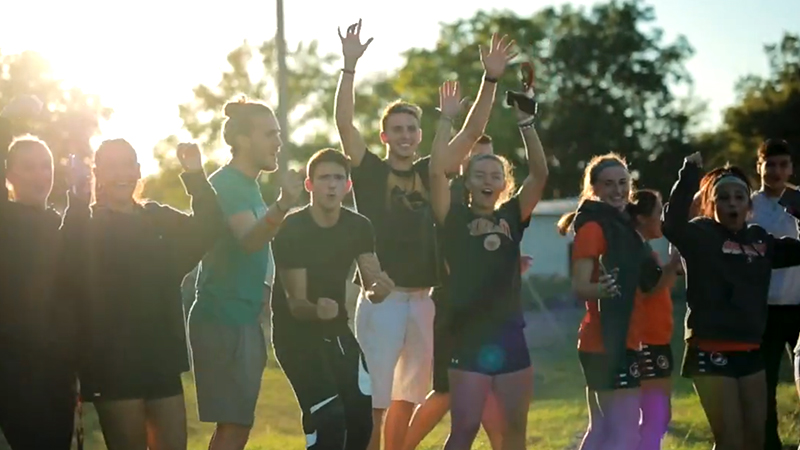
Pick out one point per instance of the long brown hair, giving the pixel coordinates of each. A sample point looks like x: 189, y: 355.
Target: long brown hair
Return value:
x: 593, y: 169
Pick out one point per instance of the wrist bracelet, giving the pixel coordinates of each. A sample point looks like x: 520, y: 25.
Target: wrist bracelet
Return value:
x: 490, y: 79
x: 272, y: 222
x: 350, y: 71
x: 527, y: 123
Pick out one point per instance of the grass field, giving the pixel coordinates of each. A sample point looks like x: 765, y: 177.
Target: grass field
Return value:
x: 557, y: 416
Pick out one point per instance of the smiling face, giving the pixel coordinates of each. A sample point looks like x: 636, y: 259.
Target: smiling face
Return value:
x: 30, y: 171
x: 775, y: 171
x: 116, y: 172
x: 402, y: 134
x: 613, y: 186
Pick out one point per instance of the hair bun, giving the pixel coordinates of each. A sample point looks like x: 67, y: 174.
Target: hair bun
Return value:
x: 236, y: 107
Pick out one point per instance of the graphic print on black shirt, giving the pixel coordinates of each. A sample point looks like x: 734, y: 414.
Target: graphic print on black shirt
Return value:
x: 483, y: 255
x: 397, y: 203
x: 327, y: 254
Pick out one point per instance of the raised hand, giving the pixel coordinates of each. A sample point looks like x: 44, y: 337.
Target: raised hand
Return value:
x: 381, y: 288
x: 352, y: 48
x: 22, y: 107
x: 695, y: 158
x: 190, y: 157
x: 525, y: 263
x: 327, y: 309
x: 450, y: 102
x: 291, y: 188
x: 79, y: 178
x: 495, y: 59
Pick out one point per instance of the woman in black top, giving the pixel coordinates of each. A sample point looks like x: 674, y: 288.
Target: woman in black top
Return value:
x: 133, y: 256
x: 728, y: 270
x: 481, y: 248
x: 37, y: 378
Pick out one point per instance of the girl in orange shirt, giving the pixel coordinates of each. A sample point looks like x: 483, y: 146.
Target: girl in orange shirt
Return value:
x: 610, y: 262
x: 656, y: 360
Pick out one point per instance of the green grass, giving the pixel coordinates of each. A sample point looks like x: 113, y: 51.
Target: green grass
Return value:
x: 557, y: 417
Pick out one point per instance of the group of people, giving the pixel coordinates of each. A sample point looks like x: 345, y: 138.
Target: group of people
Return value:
x: 737, y: 249
x: 91, y: 310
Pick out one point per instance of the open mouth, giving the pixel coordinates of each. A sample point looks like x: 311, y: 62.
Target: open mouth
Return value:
x: 733, y: 215
x: 487, y: 192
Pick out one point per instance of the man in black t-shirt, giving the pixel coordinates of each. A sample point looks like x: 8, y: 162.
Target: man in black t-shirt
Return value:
x: 397, y: 335
x: 313, y: 253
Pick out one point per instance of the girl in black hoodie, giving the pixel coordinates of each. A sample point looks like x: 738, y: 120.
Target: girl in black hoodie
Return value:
x: 728, y: 269
x: 37, y: 378
x: 610, y: 261
x: 133, y: 257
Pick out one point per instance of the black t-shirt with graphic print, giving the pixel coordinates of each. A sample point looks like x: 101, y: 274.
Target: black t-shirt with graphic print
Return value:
x: 398, y: 204
x: 327, y: 254
x: 483, y: 255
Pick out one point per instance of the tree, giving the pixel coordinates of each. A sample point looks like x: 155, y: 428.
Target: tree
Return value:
x: 767, y: 107
x: 70, y: 117
x: 605, y: 82
x: 309, y: 80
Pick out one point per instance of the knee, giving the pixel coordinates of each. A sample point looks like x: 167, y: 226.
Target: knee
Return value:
x: 326, y: 427
x: 235, y: 435
x: 465, y: 426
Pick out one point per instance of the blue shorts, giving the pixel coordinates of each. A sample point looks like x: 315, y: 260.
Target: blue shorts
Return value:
x: 506, y: 352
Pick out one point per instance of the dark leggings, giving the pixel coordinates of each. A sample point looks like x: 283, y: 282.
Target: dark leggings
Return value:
x: 331, y: 383
x: 37, y: 415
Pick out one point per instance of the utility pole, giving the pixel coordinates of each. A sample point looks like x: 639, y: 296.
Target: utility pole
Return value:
x: 283, y: 88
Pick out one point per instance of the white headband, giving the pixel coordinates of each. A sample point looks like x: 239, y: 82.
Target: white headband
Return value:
x: 728, y: 179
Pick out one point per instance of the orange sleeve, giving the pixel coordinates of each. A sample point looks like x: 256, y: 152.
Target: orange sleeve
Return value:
x: 589, y: 242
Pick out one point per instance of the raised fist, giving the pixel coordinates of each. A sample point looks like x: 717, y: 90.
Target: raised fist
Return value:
x: 327, y: 309
x: 291, y: 188
x: 190, y: 157
x: 381, y: 288
x: 695, y: 158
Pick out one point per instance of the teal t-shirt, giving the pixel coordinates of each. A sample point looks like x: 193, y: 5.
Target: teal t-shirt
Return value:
x: 230, y: 282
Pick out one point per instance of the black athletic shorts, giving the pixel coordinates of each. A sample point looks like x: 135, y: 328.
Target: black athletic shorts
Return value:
x: 328, y: 371
x: 601, y: 376
x: 442, y: 343
x: 507, y: 352
x: 735, y: 364
x: 656, y: 361
x: 147, y: 386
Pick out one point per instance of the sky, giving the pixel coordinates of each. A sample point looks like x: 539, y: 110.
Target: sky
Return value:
x: 143, y: 58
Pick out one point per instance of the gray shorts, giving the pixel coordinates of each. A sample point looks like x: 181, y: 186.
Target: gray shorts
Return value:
x: 228, y: 362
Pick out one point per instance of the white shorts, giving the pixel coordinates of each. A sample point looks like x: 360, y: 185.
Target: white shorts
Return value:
x: 396, y: 337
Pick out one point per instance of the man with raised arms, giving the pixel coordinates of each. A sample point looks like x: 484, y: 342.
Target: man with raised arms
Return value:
x: 397, y: 334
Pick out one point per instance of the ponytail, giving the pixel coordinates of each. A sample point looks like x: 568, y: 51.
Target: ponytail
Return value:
x: 565, y: 222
